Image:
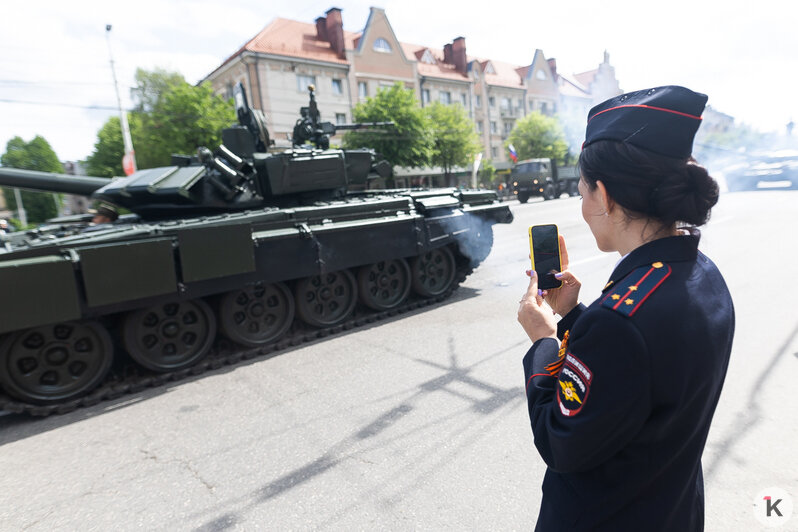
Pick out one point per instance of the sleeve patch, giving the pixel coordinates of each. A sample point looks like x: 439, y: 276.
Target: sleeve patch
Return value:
x: 629, y: 293
x: 573, y: 386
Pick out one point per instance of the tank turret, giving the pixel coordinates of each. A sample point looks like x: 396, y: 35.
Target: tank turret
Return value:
x: 243, y: 173
x: 248, y: 245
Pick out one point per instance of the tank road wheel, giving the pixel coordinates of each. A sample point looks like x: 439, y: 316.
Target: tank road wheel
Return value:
x: 432, y: 272
x: 325, y: 300
x: 55, y: 363
x: 573, y: 189
x: 523, y: 197
x: 169, y: 336
x: 383, y: 285
x: 549, y: 192
x: 257, y: 314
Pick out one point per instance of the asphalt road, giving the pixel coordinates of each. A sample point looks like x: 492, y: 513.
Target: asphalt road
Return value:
x: 418, y: 423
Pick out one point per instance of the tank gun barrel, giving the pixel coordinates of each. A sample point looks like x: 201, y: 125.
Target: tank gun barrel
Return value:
x: 50, y: 182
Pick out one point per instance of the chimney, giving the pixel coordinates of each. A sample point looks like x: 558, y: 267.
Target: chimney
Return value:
x: 321, y: 28
x: 553, y: 67
x: 447, y: 54
x: 459, y: 54
x: 335, y: 30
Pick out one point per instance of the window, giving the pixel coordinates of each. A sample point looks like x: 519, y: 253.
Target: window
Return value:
x: 478, y: 101
x: 493, y: 127
x: 492, y: 101
x: 362, y: 89
x: 340, y: 118
x: 508, y: 126
x: 520, y: 103
x: 302, y: 82
x: 494, y: 152
x: 479, y: 126
x: 445, y: 97
x: 428, y: 58
x: 337, y: 87
x: 425, y: 96
x: 463, y: 99
x: 540, y: 75
x: 381, y: 45
x: 506, y: 103
x: 543, y: 108
x: 489, y: 68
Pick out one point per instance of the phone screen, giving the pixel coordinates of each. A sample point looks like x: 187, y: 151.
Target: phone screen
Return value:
x: 545, y: 245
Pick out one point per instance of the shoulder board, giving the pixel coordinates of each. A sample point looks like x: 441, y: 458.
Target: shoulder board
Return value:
x: 628, y: 294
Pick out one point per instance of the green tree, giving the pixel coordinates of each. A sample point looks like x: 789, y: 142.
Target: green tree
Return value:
x: 106, y: 159
x: 537, y: 135
x: 455, y: 140
x: 169, y: 116
x: 487, y: 173
x: 409, y: 142
x: 150, y: 86
x: 34, y: 155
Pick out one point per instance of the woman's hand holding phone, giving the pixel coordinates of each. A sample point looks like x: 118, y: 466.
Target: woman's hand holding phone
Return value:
x: 562, y: 300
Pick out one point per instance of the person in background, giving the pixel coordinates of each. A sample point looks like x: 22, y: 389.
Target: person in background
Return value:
x: 621, y: 392
x: 105, y: 214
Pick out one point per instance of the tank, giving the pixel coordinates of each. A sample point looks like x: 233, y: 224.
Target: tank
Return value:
x: 230, y: 253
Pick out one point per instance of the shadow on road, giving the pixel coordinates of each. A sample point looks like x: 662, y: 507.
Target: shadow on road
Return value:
x: 351, y: 446
x: 751, y: 415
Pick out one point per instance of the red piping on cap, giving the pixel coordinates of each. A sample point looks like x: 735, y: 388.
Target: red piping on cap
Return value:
x: 647, y: 107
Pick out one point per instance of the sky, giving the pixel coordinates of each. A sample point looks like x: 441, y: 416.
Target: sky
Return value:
x: 56, y: 80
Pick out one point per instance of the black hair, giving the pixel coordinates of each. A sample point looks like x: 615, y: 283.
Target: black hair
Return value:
x: 649, y: 185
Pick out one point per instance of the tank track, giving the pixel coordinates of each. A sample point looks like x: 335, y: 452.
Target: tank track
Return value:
x: 132, y: 379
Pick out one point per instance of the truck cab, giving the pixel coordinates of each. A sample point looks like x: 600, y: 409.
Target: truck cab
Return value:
x: 542, y: 177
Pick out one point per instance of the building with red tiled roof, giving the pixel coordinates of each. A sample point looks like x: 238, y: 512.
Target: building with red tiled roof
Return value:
x: 278, y: 64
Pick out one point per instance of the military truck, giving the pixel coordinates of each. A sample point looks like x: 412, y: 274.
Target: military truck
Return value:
x: 542, y: 177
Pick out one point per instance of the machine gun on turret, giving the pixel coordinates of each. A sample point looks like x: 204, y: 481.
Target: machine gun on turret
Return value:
x: 310, y: 128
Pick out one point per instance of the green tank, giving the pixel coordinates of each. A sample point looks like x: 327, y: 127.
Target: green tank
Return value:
x: 224, y: 255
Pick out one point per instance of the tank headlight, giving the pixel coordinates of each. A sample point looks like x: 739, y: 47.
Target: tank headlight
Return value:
x: 515, y: 183
x: 535, y: 182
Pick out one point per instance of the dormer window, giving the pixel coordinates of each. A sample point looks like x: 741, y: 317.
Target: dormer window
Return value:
x: 540, y: 75
x: 381, y: 45
x: 428, y: 58
x: 489, y: 69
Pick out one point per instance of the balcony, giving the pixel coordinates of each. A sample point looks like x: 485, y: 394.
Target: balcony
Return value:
x: 509, y: 112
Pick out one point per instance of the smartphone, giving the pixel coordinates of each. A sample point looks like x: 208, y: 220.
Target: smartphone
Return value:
x: 544, y: 246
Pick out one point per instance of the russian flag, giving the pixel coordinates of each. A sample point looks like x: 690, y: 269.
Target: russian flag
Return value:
x: 513, y: 154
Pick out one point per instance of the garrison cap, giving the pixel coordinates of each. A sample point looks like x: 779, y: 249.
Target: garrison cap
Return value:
x: 663, y: 120
x: 107, y: 210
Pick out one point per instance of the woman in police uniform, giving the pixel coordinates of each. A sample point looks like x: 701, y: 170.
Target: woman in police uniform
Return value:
x: 621, y: 393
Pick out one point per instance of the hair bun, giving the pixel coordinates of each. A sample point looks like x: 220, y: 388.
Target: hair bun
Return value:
x: 685, y: 196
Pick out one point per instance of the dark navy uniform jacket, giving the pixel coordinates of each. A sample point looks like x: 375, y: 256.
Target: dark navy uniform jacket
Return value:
x: 621, y: 414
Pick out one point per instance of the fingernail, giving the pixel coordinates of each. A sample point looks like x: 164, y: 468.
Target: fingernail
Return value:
x: 558, y: 275
x: 528, y: 272
x: 540, y: 292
